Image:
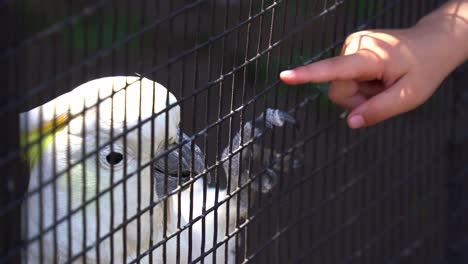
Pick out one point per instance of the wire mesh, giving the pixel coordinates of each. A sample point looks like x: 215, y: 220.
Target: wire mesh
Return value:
x: 200, y: 168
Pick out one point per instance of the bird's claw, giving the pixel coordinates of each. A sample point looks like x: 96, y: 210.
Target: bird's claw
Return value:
x: 266, y: 181
x: 275, y: 117
x: 294, y: 160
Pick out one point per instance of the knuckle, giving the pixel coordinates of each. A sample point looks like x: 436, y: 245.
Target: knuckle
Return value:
x: 356, y: 35
x: 354, y: 42
x: 335, y: 93
x: 337, y: 64
x: 326, y: 70
x: 332, y: 63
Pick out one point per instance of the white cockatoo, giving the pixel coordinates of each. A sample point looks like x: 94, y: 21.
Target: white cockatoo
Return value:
x: 99, y: 190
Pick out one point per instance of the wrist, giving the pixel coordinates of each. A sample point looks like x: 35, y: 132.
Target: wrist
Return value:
x: 449, y: 24
x: 437, y: 45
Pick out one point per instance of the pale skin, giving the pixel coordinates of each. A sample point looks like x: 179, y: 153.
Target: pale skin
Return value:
x: 383, y: 73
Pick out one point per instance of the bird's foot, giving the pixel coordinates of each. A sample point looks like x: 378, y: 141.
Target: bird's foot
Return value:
x: 274, y: 117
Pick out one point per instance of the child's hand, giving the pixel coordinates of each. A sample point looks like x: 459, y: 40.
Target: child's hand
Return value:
x: 383, y: 73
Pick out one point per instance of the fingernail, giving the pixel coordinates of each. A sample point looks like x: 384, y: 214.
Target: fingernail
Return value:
x: 286, y: 74
x: 356, y: 121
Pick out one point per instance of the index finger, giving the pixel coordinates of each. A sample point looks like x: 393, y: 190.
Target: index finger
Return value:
x: 364, y: 65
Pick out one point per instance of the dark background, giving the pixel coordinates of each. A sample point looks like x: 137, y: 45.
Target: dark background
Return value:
x: 396, y: 192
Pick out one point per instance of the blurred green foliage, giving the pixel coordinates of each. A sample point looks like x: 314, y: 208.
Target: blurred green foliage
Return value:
x: 90, y: 33
x: 103, y: 30
x: 101, y: 33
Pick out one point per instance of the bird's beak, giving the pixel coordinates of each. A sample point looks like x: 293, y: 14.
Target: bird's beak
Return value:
x: 177, y: 167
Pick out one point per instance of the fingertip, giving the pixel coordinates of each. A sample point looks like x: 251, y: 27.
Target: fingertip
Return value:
x: 288, y: 76
x: 356, y: 121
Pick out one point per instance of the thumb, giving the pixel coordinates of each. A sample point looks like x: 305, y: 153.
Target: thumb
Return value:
x: 390, y: 102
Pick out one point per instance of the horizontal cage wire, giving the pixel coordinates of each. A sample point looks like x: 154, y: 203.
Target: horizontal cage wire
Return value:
x: 159, y: 132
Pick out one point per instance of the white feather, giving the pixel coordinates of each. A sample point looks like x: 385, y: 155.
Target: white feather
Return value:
x: 83, y: 174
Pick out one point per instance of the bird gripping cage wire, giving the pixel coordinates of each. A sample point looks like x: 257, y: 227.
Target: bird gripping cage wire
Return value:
x: 109, y: 166
x: 158, y: 132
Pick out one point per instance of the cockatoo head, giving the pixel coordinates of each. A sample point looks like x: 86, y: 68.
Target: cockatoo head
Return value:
x: 107, y: 134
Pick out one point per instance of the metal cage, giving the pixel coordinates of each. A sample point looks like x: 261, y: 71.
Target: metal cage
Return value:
x: 255, y: 171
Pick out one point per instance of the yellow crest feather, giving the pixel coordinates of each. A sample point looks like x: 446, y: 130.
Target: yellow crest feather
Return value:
x: 36, y: 141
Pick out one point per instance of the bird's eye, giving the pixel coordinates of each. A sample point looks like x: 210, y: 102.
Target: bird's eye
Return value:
x: 114, y: 158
